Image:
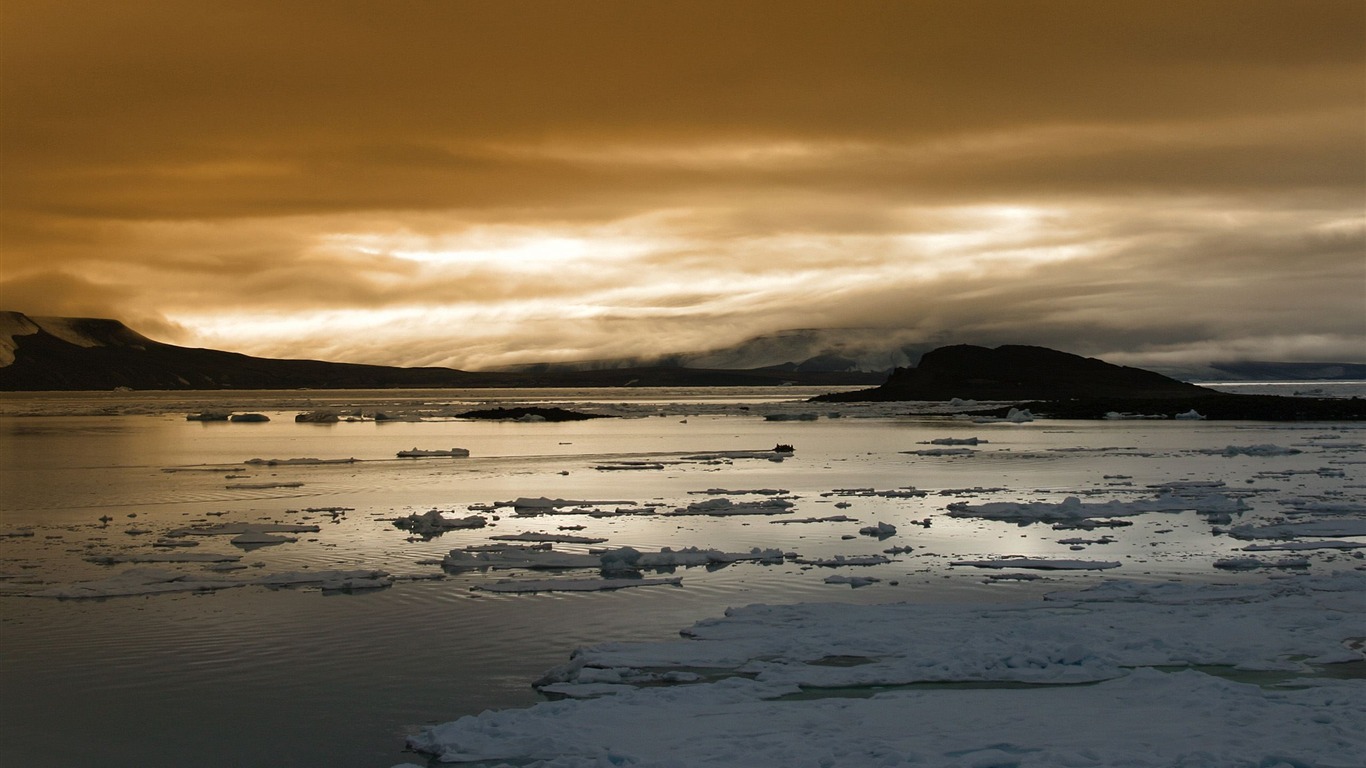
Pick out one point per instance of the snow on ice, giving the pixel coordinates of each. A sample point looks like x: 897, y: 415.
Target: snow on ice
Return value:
x: 756, y: 682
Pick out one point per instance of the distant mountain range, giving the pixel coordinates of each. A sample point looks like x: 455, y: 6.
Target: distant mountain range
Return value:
x: 73, y: 353
x: 879, y: 350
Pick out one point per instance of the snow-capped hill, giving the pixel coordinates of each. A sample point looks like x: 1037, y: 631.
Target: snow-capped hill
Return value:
x: 79, y: 331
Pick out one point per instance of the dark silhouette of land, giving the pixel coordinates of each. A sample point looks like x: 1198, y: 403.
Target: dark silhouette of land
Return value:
x: 1062, y: 385
x: 100, y: 354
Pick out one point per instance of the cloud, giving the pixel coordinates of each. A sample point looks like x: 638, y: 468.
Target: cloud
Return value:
x: 477, y: 184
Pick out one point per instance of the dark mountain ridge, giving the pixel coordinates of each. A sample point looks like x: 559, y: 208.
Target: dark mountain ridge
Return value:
x: 62, y: 353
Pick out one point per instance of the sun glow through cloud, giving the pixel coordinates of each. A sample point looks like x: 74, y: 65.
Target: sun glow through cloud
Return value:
x: 479, y: 185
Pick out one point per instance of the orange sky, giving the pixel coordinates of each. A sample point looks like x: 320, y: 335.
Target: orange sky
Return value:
x: 477, y: 184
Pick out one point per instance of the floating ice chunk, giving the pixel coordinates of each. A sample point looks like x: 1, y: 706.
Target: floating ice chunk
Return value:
x: 839, y: 560
x: 1263, y: 449
x: 1324, y: 528
x: 535, y: 559
x: 1118, y: 416
x: 627, y: 558
x: 831, y: 519
x: 908, y: 492
x: 317, y: 417
x: 1074, y: 509
x: 716, y: 456
x: 747, y: 492
x: 1191, y: 415
x: 1299, y: 545
x: 419, y: 453
x: 722, y: 507
x: 249, y: 417
x: 1324, y: 506
x: 1084, y: 542
x: 152, y: 581
x: 1013, y: 416
x: 209, y: 416
x: 524, y: 505
x: 164, y: 557
x: 853, y: 581
x: 328, y: 580
x: 1040, y: 564
x: 228, y: 529
x: 629, y: 466
x: 881, y: 530
x: 434, y: 522
x: 942, y: 452
x: 956, y: 441
x: 557, y: 538
x: 575, y: 585
x: 302, y: 461
x: 260, y: 539
x: 1253, y: 563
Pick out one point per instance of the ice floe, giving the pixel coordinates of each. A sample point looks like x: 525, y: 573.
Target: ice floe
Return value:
x: 574, y: 585
x: 840, y: 560
x: 164, y: 557
x: 1072, y: 508
x: 1261, y: 449
x: 151, y: 581
x: 1040, y: 564
x: 1254, y: 563
x: 434, y: 522
x: 556, y: 538
x: 1324, y: 528
x: 420, y: 453
x: 533, y: 559
x: 720, y: 507
x: 754, y: 686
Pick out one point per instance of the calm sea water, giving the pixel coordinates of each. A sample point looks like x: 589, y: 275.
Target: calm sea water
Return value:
x: 296, y: 676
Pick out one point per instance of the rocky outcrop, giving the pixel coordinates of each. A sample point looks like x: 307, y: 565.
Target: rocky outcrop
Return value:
x: 1061, y: 385
x: 1016, y: 372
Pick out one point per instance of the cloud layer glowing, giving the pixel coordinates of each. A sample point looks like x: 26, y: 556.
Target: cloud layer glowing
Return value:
x: 484, y: 184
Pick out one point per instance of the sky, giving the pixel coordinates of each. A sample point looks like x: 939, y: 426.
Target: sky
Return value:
x: 483, y: 184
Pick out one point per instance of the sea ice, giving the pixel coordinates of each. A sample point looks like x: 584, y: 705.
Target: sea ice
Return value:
x: 302, y: 461
x: 722, y: 506
x: 853, y: 581
x: 1324, y: 528
x: 1040, y: 564
x: 574, y: 585
x: 1074, y: 509
x: 839, y: 560
x: 557, y: 538
x: 260, y: 539
x: 164, y: 557
x: 744, y: 709
x: 537, y: 559
x: 881, y: 530
x: 151, y: 581
x: 1262, y: 449
x: 433, y: 522
x: 1254, y: 563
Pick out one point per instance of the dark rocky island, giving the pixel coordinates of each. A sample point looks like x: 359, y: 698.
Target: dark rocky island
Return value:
x: 1062, y: 385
